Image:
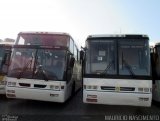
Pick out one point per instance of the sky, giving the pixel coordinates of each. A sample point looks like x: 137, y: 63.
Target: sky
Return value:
x: 81, y: 18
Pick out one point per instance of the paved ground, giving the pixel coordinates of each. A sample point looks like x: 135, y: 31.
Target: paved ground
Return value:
x: 73, y: 109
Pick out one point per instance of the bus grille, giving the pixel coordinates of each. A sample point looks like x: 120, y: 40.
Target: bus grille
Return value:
x: 39, y: 86
x: 127, y: 89
x: 111, y: 88
x: 107, y: 88
x: 24, y: 84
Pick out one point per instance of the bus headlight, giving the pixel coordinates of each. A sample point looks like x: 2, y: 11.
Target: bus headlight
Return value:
x: 90, y: 87
x: 54, y: 87
x: 144, y: 89
x: 13, y: 84
x: 140, y: 89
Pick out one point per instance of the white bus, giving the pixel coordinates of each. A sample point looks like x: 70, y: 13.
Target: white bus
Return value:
x: 5, y: 52
x: 117, y: 70
x: 155, y: 54
x: 44, y: 66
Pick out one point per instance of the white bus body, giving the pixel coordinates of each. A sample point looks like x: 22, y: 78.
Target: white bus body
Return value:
x: 56, y: 91
x: 49, y: 71
x: 117, y: 70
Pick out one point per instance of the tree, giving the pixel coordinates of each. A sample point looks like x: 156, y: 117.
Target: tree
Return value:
x: 9, y: 40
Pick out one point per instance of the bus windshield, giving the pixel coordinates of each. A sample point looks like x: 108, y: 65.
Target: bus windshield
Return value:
x: 101, y: 57
x: 131, y: 55
x: 134, y: 57
x: 43, y: 64
x: 43, y: 39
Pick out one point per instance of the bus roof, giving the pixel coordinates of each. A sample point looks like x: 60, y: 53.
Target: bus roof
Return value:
x: 54, y: 33
x: 137, y: 36
x: 49, y: 33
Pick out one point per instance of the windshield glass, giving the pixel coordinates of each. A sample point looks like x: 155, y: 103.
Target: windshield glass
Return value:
x: 134, y: 57
x: 43, y: 64
x: 101, y: 57
x: 43, y: 39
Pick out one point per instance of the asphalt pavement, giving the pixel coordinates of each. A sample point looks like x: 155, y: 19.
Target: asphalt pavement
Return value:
x: 73, y: 109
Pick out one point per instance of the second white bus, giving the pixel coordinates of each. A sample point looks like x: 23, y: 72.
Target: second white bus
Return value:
x: 117, y: 70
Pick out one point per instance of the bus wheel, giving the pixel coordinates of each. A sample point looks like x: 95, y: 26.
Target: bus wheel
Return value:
x: 73, y: 89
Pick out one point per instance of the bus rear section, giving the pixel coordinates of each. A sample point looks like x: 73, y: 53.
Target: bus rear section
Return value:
x: 117, y: 70
x: 5, y: 52
x: 41, y: 73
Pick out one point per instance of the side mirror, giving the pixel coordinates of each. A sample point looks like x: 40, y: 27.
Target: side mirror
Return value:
x: 72, y: 60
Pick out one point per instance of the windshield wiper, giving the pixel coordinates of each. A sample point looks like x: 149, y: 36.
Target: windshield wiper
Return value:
x: 41, y: 70
x: 108, y: 67
x: 129, y: 68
